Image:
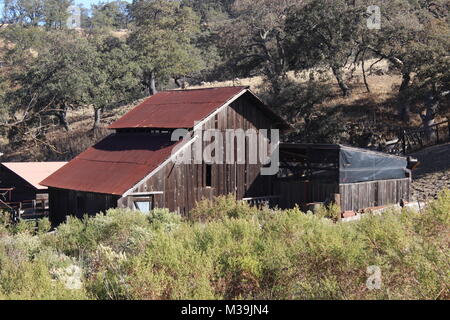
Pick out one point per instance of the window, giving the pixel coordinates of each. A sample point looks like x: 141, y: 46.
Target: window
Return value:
x: 144, y: 205
x: 208, y: 175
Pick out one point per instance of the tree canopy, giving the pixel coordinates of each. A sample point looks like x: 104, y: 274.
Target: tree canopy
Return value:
x: 126, y: 50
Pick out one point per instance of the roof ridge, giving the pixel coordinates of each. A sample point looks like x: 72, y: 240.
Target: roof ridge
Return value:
x: 208, y: 88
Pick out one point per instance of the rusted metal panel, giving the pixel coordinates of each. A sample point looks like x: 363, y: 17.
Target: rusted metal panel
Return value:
x: 177, y: 108
x: 182, y: 108
x: 114, y: 165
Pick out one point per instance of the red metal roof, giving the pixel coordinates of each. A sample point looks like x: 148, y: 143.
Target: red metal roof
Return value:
x: 177, y: 108
x: 33, y: 172
x: 114, y: 165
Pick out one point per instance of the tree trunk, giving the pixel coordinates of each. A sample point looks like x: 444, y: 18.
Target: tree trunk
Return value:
x: 97, y: 117
x: 346, y: 92
x: 428, y: 119
x: 406, y: 79
x: 152, y: 82
x: 180, y: 82
x: 62, y: 116
x: 405, y: 111
x: 364, y: 71
x: 404, y: 107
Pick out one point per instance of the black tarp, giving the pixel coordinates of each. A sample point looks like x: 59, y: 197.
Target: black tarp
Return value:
x: 356, y: 165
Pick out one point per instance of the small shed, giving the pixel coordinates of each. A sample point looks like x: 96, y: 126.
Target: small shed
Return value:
x: 19, y: 181
x: 355, y: 178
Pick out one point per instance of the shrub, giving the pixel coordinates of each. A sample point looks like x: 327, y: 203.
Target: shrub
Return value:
x: 231, y: 251
x: 221, y: 207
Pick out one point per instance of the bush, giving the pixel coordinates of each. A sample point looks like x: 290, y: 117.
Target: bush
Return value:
x: 221, y: 207
x: 229, y: 250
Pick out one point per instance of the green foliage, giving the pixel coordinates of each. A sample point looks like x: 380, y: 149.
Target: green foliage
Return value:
x: 27, y: 270
x: 233, y: 252
x: 44, y: 225
x: 51, y: 13
x: 69, y: 72
x: 110, y: 15
x: 164, y: 42
x: 221, y: 207
x: 332, y: 211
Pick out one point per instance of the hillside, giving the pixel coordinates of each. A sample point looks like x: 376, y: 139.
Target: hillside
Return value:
x: 374, y: 109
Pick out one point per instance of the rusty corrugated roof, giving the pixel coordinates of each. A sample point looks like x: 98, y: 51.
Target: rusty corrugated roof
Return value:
x: 33, y: 172
x: 114, y: 165
x: 176, y: 108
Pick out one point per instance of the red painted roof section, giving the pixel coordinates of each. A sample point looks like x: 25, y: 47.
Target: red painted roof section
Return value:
x: 114, y: 165
x: 176, y: 108
x: 33, y: 172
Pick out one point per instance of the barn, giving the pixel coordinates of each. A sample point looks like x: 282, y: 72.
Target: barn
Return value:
x: 138, y: 166
x: 134, y: 167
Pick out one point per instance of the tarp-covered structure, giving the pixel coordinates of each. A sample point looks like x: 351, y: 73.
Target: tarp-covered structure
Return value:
x: 339, y: 163
x: 356, y: 178
x: 357, y: 165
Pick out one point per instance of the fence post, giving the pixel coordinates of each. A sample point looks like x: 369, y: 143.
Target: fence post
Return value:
x: 404, y: 142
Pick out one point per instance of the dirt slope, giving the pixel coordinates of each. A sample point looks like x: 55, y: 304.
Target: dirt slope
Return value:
x: 433, y: 174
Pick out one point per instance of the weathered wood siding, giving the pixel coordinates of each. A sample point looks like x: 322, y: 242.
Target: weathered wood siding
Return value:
x: 357, y: 196
x: 69, y: 202
x: 354, y: 196
x: 184, y: 184
x: 293, y: 192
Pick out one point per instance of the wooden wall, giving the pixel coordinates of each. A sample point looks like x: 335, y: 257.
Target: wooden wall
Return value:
x: 354, y: 196
x: 22, y: 189
x: 69, y: 202
x: 183, y: 185
x: 357, y: 196
x: 293, y: 192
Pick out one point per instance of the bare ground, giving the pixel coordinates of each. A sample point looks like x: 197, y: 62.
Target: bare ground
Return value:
x: 433, y: 174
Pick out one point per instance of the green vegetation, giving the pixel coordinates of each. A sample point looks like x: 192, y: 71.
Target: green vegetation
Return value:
x: 228, y: 250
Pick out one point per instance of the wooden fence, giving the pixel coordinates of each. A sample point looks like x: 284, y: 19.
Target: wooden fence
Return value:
x: 357, y: 196
x: 29, y: 209
x: 413, y: 140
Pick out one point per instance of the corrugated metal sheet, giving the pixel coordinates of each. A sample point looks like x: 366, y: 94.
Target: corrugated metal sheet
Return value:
x: 33, y: 172
x: 114, y: 165
x: 177, y: 108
